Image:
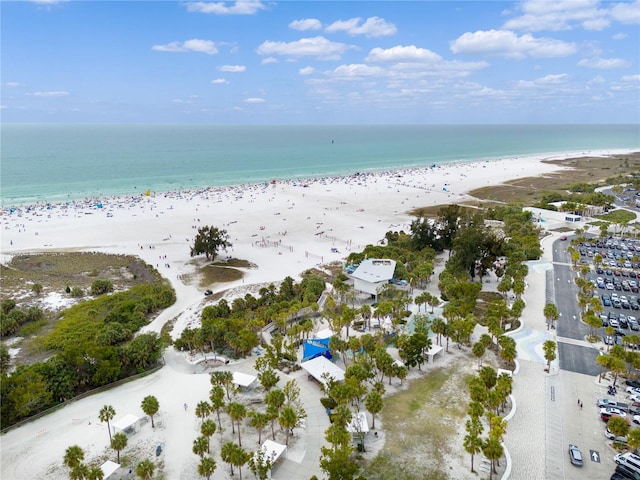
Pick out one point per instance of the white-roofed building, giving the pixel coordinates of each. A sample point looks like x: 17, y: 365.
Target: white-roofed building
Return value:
x: 244, y: 380
x: 127, y: 424
x: 108, y: 468
x: 372, y: 274
x: 320, y: 368
x: 271, y: 451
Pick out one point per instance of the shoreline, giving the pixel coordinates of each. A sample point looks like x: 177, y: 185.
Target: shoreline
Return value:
x: 283, y: 229
x: 7, y: 205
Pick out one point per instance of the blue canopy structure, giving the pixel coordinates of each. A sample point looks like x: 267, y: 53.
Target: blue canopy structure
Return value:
x: 316, y: 347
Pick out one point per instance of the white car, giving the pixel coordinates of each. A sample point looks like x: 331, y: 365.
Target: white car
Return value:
x: 613, y: 411
x: 636, y: 419
x: 632, y: 390
x: 635, y: 397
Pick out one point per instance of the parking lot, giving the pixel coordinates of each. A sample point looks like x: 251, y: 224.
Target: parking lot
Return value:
x: 615, y: 273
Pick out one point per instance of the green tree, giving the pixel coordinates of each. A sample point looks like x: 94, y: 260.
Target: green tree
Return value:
x: 259, y: 421
x: 374, y: 404
x: 472, y: 441
x: 226, y: 453
x: 145, y: 469
x: 478, y: 350
x: 239, y: 457
x: 150, y: 406
x: 36, y: 288
x: 493, y: 450
x: 73, y: 456
x: 217, y: 401
x: 260, y: 464
x: 549, y: 348
x: 95, y: 473
x: 633, y: 438
x: 201, y: 446
x: 106, y: 415
x: 237, y: 412
x: 208, y: 428
x: 203, y: 409
x: 551, y: 314
x: 618, y: 426
x: 99, y: 287
x: 206, y: 467
x: 118, y: 443
x: 288, y: 420
x: 209, y: 241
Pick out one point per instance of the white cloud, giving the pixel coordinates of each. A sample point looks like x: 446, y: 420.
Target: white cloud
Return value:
x: 559, y: 15
x: 620, y: 36
x: 232, y: 68
x: 552, y: 79
x: 13, y: 85
x: 268, y: 60
x: 306, y: 71
x: 401, y: 53
x: 318, y: 47
x: 48, y: 2
x: 193, y: 45
x: 240, y: 7
x: 631, y: 78
x: 180, y: 101
x: 254, y: 100
x: 372, y: 27
x: 597, y: 80
x: 51, y: 94
x: 504, y: 43
x: 306, y: 24
x: 603, y: 63
x: 219, y: 81
x: 628, y: 12
x: 357, y: 70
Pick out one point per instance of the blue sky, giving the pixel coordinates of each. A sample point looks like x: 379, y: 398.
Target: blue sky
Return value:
x: 305, y: 62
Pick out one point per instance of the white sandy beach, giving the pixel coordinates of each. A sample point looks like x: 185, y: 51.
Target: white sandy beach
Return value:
x: 283, y: 229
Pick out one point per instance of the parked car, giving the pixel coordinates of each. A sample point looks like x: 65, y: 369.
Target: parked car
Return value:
x: 611, y: 436
x: 608, y: 412
x: 608, y: 340
x: 632, y: 383
x: 633, y: 323
x: 575, y: 455
x: 632, y: 390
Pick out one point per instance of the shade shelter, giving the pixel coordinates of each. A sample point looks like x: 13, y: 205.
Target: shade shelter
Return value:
x: 109, y: 468
x: 244, y: 380
x: 271, y: 451
x: 127, y: 424
x: 325, y: 333
x: 315, y: 347
x: 358, y: 423
x: 322, y: 369
x: 432, y: 352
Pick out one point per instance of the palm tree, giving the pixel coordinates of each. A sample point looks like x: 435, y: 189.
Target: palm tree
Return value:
x: 73, y: 456
x: 226, y: 453
x: 549, y: 348
x: 145, y: 469
x: 106, y: 415
x: 200, y: 446
x: 288, y: 420
x: 239, y: 457
x: 208, y: 429
x: 79, y: 472
x: 217, y: 401
x: 259, y: 420
x: 95, y: 473
x: 207, y: 466
x: 203, y: 409
x: 374, y: 404
x: 472, y: 444
x: 493, y: 450
x: 150, y: 406
x: 119, y: 442
x: 551, y: 314
x: 237, y: 412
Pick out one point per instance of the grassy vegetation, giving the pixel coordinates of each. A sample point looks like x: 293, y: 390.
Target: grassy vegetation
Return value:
x: 530, y: 190
x: 617, y: 216
x: 422, y: 422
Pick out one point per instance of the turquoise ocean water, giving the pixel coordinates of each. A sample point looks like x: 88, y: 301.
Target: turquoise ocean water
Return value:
x: 52, y: 163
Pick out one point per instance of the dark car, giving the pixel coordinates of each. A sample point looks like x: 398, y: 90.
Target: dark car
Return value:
x: 208, y: 292
x: 633, y: 383
x: 563, y: 238
x: 575, y: 455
